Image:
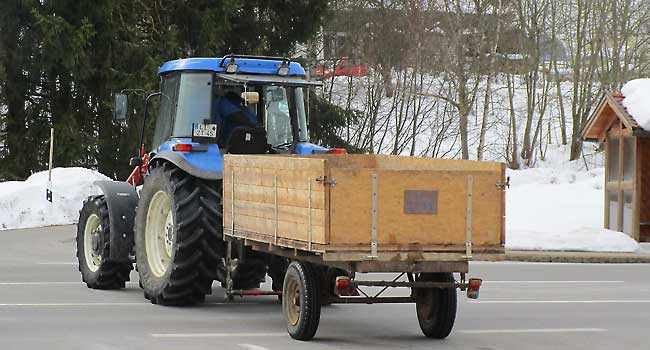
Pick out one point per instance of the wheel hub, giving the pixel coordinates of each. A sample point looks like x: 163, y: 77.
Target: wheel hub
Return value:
x: 169, y: 233
x: 159, y: 233
x: 93, y: 242
x: 292, y: 307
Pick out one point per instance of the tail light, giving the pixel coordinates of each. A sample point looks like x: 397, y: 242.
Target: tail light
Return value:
x: 473, y: 287
x: 337, y: 151
x: 182, y: 147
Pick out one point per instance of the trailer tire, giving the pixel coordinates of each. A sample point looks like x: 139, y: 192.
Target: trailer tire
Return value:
x: 178, y: 236
x: 98, y: 271
x: 436, y: 307
x: 301, y: 300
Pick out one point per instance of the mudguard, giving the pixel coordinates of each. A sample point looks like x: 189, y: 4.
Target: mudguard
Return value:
x: 121, y: 199
x: 206, y: 164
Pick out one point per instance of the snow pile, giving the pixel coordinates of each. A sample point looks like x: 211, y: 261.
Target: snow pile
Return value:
x: 559, y: 206
x: 587, y: 239
x: 637, y: 101
x: 23, y: 204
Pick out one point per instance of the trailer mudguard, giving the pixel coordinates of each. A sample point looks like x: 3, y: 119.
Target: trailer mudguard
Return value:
x: 121, y: 199
x: 206, y: 163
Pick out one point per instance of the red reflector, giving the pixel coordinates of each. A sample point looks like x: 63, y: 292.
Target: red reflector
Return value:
x: 182, y: 147
x: 475, y: 283
x: 342, y: 282
x: 337, y: 151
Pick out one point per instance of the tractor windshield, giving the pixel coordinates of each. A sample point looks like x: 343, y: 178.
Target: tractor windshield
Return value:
x: 277, y: 121
x: 200, y: 97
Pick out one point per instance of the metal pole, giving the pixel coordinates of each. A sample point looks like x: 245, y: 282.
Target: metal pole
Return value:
x: 309, y: 206
x: 48, y: 190
x: 468, y: 223
x: 275, y: 185
x: 232, y: 203
x: 49, y: 177
x: 373, y: 228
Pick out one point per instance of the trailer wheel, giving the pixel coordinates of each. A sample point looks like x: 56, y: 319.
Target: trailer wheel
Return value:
x: 436, y: 307
x: 178, y: 236
x: 93, y: 248
x: 300, y: 301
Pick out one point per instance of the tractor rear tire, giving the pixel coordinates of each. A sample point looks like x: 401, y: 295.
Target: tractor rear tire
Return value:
x: 93, y: 248
x: 436, y: 307
x: 178, y: 236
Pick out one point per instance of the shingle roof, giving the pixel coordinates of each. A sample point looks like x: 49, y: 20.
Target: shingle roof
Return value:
x: 618, y: 97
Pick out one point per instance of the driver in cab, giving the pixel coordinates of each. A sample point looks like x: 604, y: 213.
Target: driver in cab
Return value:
x: 231, y: 112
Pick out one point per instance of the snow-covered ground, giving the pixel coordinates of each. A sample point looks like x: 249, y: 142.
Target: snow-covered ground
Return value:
x: 558, y: 205
x: 555, y: 206
x: 23, y: 204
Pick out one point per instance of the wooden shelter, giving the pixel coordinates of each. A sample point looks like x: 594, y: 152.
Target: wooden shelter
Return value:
x: 627, y: 166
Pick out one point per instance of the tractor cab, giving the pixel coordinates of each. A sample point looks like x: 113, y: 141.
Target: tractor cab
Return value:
x: 251, y: 104
x: 235, y: 104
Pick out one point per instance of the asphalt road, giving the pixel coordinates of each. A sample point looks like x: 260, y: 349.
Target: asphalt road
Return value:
x: 43, y: 305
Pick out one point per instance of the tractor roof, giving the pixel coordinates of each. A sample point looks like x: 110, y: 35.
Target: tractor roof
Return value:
x: 247, y: 65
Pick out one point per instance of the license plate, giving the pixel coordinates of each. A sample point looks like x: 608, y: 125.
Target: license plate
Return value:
x: 205, y: 131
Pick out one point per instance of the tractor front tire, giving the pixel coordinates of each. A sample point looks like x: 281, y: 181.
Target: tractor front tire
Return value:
x: 93, y: 248
x: 178, y: 236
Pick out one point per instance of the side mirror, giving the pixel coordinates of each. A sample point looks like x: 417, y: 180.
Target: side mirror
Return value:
x: 121, y: 110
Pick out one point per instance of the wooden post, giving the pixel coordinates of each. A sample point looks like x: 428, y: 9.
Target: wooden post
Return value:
x: 48, y: 190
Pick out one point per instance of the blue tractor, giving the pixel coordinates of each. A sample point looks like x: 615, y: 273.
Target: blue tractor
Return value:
x: 172, y: 228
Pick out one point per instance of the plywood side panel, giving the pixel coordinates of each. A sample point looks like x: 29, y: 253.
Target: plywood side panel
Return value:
x: 350, y: 216
x: 286, y: 213
x: 390, y: 162
x: 288, y: 230
x: 286, y: 196
x: 294, y: 179
x: 276, y: 194
x: 268, y: 161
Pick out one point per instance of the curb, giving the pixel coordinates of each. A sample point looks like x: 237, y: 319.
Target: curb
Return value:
x: 577, y: 257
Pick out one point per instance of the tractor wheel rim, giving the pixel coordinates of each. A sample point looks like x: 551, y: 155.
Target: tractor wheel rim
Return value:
x: 92, y: 231
x: 292, y: 303
x: 159, y: 233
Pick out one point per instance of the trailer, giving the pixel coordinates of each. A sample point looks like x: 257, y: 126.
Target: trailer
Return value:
x: 334, y: 216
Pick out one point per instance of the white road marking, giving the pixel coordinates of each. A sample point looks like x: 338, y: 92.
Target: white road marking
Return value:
x: 551, y: 282
x: 216, y: 335
x: 100, y: 304
x: 46, y: 283
x: 35, y: 283
x: 622, y: 301
x: 559, y: 264
x: 73, y: 304
x: 58, y: 263
x: 541, y: 330
x: 253, y: 347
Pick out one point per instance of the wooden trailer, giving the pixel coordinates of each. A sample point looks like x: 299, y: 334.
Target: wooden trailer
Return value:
x: 420, y: 217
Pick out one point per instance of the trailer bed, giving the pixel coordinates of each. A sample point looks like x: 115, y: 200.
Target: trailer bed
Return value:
x: 395, y: 211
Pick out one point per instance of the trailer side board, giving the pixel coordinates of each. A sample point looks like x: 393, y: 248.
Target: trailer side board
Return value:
x: 324, y: 203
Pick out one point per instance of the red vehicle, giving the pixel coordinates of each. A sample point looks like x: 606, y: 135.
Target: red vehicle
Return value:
x: 343, y: 68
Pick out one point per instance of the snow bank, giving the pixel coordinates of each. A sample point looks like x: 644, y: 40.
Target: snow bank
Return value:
x: 637, y: 101
x: 556, y: 206
x: 23, y: 204
x: 559, y: 206
x: 587, y: 239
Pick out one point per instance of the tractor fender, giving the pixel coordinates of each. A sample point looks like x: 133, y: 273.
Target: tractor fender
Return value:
x: 121, y: 199
x: 191, y: 166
